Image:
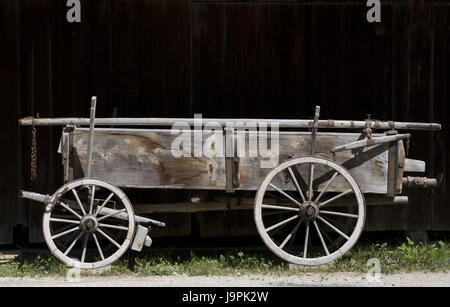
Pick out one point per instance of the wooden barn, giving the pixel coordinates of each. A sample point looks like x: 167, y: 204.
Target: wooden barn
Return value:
x: 223, y: 59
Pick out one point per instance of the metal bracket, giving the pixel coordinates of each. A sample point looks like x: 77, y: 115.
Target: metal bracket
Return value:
x: 231, y: 161
x: 392, y: 175
x: 314, y: 130
x: 91, y: 136
x: 367, y: 129
x: 141, y: 238
x: 65, y: 149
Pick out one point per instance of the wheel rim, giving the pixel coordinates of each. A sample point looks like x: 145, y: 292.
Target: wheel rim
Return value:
x: 306, y: 211
x: 88, y: 223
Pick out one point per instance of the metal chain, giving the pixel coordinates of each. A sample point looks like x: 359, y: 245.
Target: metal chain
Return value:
x: 33, y: 153
x: 368, y: 130
x: 407, y: 147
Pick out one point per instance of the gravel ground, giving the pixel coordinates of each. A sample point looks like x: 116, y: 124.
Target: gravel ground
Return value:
x: 302, y: 280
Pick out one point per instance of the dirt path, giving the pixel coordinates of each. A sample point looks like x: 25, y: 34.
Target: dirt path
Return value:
x: 302, y: 280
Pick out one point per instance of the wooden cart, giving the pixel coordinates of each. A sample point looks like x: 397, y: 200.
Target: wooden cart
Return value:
x: 311, y: 187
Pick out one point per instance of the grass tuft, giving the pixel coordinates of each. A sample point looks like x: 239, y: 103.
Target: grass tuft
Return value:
x: 393, y: 258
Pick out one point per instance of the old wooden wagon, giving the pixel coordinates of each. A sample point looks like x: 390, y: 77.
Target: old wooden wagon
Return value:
x: 310, y: 188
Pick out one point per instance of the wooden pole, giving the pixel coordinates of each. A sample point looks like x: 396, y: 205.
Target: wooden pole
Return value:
x: 236, y: 123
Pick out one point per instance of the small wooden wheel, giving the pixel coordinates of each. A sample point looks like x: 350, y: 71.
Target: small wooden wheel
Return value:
x: 309, y: 222
x: 88, y: 223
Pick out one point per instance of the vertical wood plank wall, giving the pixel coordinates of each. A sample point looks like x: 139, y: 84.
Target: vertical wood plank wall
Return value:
x: 271, y: 59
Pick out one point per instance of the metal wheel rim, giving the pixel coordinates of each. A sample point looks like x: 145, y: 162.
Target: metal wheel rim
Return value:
x: 297, y: 259
x: 88, y: 265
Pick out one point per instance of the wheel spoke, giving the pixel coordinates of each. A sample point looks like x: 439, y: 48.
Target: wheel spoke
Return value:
x: 321, y: 238
x: 108, y: 237
x: 311, y: 176
x: 292, y: 233
x: 335, y: 197
x: 333, y: 227
x: 69, y: 209
x: 70, y: 238
x: 305, y: 247
x: 65, y: 232
x: 279, y: 207
x: 339, y: 214
x: 104, y: 203
x: 83, y: 254
x: 297, y: 186
x: 281, y: 223
x: 113, y: 226
x: 54, y: 219
x: 98, y: 246
x: 91, y: 205
x: 326, y: 186
x: 111, y: 214
x: 78, y: 201
x: 285, y: 194
x: 73, y: 244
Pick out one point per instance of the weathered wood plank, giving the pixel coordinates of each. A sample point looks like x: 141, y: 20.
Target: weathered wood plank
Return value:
x: 11, y: 212
x: 368, y: 166
x: 412, y: 165
x: 143, y: 158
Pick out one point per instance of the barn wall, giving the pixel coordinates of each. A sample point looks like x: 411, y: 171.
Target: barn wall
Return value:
x: 269, y: 59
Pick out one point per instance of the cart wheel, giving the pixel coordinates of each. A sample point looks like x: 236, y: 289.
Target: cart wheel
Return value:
x: 88, y: 223
x: 303, y: 222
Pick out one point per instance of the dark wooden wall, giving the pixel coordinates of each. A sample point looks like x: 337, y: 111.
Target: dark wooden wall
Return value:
x: 225, y: 59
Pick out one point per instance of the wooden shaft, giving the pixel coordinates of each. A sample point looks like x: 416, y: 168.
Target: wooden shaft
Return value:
x: 371, y: 142
x: 34, y: 196
x: 237, y: 123
x: 104, y: 211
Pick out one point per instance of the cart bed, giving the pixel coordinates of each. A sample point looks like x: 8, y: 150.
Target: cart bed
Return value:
x: 142, y: 158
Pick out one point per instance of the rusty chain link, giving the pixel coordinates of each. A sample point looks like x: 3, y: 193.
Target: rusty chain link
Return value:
x: 407, y: 147
x: 33, y: 152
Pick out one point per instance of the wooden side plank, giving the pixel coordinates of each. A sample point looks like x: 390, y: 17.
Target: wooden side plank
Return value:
x: 142, y: 158
x: 412, y: 165
x: 368, y: 166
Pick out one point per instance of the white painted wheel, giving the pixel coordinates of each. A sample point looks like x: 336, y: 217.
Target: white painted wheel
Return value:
x: 88, y: 223
x: 313, y: 221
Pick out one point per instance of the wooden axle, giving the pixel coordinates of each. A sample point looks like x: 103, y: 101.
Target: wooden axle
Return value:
x: 224, y: 204
x: 423, y: 182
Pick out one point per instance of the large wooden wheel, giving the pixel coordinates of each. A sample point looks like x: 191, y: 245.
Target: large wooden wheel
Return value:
x: 88, y: 223
x: 313, y: 221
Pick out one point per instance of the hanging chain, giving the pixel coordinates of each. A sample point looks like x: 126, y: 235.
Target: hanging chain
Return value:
x: 407, y: 147
x: 368, y: 130
x: 33, y: 152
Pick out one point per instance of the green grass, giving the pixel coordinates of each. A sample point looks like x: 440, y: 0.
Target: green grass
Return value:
x: 406, y: 256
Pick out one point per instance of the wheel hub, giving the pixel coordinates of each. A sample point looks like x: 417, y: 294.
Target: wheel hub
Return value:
x: 89, y: 224
x: 308, y: 210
